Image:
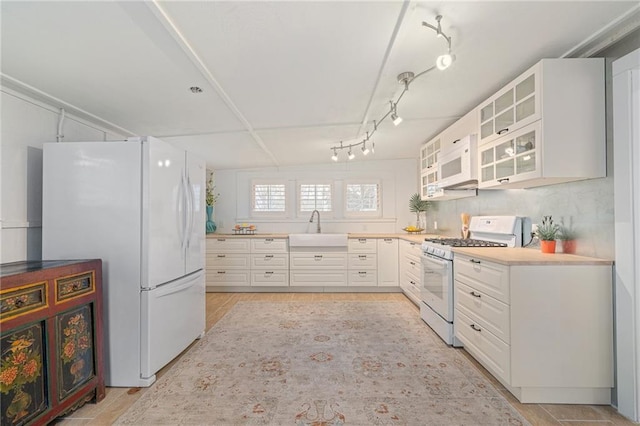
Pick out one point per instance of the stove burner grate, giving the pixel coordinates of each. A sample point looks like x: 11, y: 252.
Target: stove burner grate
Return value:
x: 459, y: 242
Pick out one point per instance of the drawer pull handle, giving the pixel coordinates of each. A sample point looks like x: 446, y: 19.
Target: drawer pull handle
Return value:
x: 222, y: 272
x: 474, y: 261
x: 412, y: 263
x: 222, y: 239
x: 268, y: 240
x: 503, y: 131
x: 456, y: 141
x: 412, y: 283
x: 268, y: 256
x: 362, y: 273
x: 222, y: 255
x: 362, y: 240
x: 362, y: 256
x: 503, y: 180
x: 268, y: 273
x: 475, y: 327
x: 474, y: 294
x: 317, y: 257
x: 387, y: 240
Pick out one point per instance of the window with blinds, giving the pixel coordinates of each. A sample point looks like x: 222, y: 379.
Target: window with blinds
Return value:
x: 314, y: 197
x: 362, y: 199
x: 269, y: 198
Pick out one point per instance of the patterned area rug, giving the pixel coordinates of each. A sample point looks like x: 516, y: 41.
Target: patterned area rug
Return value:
x: 322, y: 364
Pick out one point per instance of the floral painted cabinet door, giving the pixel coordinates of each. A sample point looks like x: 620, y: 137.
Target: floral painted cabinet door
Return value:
x: 22, y: 378
x: 75, y: 350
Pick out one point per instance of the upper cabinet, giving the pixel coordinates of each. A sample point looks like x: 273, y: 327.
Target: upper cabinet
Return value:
x: 545, y: 127
x: 517, y: 105
x: 429, y: 153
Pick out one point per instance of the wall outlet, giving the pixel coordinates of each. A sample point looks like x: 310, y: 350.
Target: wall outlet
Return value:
x: 534, y: 228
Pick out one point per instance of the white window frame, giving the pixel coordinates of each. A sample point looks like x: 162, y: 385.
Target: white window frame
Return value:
x: 357, y: 214
x: 324, y: 213
x: 257, y: 213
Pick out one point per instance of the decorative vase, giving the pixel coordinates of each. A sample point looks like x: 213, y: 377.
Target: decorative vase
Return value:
x: 548, y: 246
x: 18, y: 407
x: 569, y: 246
x: 211, y: 225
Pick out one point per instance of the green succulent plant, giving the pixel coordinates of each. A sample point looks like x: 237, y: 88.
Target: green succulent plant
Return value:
x: 547, y: 231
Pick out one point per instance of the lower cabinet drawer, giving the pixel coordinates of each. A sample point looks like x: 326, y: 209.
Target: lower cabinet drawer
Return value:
x: 270, y: 261
x: 489, y: 312
x: 483, y: 345
x: 269, y: 278
x: 363, y: 261
x: 489, y: 277
x: 228, y: 277
x: 228, y: 261
x: 310, y: 260
x: 318, y: 278
x: 363, y: 278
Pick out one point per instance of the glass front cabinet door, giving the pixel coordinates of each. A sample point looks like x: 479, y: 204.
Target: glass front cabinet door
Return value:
x: 510, y: 159
x: 514, y: 106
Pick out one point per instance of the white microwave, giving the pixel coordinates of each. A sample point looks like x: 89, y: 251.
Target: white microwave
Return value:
x: 458, y: 167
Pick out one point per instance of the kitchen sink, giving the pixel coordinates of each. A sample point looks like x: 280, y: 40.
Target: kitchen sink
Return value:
x: 317, y: 240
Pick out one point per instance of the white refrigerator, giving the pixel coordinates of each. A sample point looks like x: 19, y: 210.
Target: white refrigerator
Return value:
x: 139, y: 206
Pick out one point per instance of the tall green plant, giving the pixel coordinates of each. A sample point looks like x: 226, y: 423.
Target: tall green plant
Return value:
x: 418, y: 205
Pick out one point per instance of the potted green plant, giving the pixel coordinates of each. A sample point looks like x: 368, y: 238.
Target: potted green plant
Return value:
x: 210, y: 199
x: 547, y: 233
x: 567, y: 235
x: 417, y: 205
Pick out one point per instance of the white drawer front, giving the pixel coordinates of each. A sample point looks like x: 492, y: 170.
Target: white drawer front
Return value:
x: 363, y: 278
x: 410, y: 247
x: 318, y: 260
x: 270, y: 261
x: 228, y: 245
x: 484, y: 346
x: 362, y: 245
x: 318, y: 278
x: 269, y: 245
x: 270, y: 278
x: 490, y: 313
x: 227, y: 261
x: 229, y: 277
x: 488, y: 277
x: 411, y: 282
x: 412, y: 265
x: 363, y: 261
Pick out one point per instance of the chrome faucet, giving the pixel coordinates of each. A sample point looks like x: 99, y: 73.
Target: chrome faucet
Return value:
x: 311, y: 220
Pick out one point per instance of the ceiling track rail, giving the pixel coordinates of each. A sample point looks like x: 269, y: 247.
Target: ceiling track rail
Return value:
x: 193, y: 56
x: 383, y: 65
x: 85, y: 117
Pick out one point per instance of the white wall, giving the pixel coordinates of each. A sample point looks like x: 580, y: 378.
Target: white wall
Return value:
x: 398, y: 180
x: 26, y: 125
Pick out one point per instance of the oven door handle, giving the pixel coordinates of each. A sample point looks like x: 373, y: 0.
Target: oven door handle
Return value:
x: 435, y: 261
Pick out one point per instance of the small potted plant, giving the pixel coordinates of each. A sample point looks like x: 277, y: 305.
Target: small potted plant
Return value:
x: 567, y: 235
x: 417, y: 206
x: 547, y: 233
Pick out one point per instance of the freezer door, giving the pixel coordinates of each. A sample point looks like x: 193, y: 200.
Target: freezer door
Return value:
x: 196, y: 184
x: 164, y: 209
x: 173, y: 316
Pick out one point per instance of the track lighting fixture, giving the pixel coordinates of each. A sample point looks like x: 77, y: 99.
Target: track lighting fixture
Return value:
x: 442, y: 62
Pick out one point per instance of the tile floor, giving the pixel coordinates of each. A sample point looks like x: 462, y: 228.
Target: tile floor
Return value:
x: 118, y: 400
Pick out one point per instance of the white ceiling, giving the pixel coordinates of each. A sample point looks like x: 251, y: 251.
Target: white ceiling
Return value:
x: 282, y: 81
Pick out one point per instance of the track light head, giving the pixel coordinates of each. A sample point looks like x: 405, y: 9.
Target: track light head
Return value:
x: 351, y: 155
x: 334, y: 157
x: 396, y: 120
x: 444, y: 61
x: 365, y: 150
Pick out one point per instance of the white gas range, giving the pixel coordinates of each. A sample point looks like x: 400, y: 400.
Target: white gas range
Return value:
x: 437, y: 305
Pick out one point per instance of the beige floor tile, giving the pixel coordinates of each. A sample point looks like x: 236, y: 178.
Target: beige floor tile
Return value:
x: 574, y: 412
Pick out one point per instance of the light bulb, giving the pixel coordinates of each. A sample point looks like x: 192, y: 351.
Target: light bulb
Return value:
x: 334, y: 157
x: 444, y: 61
x: 351, y: 155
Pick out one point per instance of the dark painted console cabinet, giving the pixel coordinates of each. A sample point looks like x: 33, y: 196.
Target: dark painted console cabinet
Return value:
x: 51, y: 339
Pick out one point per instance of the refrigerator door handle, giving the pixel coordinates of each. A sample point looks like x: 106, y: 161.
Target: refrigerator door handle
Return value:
x: 181, y: 217
x: 191, y: 202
